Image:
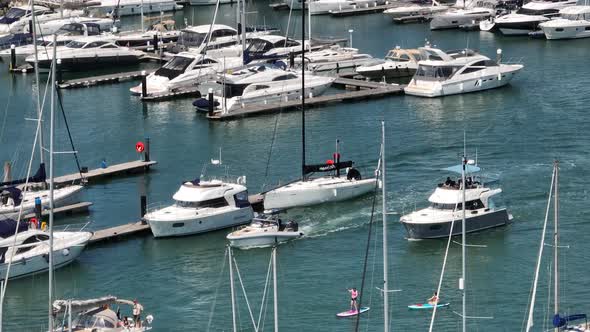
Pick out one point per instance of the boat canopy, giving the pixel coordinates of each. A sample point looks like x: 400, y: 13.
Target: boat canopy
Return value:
x: 559, y: 321
x: 40, y: 176
x: 8, y: 227
x: 61, y: 306
x: 459, y: 168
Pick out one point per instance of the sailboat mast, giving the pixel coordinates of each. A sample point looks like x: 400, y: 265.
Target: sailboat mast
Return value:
x: 51, y: 182
x: 385, y: 258
x: 556, y: 243
x: 275, y: 289
x: 463, y: 251
x: 142, y: 27
x: 231, y: 285
x: 36, y: 68
x: 303, y: 91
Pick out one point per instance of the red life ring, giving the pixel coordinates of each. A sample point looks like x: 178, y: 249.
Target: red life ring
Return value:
x: 139, y: 147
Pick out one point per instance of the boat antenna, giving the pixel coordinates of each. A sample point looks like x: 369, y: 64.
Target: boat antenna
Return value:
x: 303, y: 90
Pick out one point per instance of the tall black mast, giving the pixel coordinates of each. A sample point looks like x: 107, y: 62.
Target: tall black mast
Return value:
x: 303, y: 90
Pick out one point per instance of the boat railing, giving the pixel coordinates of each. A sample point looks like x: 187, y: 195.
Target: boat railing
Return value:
x: 77, y: 227
x: 514, y: 61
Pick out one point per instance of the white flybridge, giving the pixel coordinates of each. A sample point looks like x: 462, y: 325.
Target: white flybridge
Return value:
x: 560, y: 323
x: 438, y: 220
x: 573, y: 22
x: 316, y: 190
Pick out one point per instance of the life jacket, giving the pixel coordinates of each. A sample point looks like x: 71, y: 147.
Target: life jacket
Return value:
x: 354, y: 294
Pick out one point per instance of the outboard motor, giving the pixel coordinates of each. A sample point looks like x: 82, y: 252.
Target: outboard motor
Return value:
x: 353, y: 173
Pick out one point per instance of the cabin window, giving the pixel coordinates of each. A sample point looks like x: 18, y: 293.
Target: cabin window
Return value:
x: 210, y: 203
x: 559, y: 29
x: 176, y: 66
x: 75, y: 44
x: 587, y: 28
x: 241, y: 199
x: 439, y: 72
x: 109, y: 46
x: 15, y: 13
x: 443, y: 206
x: 474, y: 67
x: 190, y: 38
x: 31, y: 240
x: 259, y: 46
x: 474, y: 205
x: 178, y: 224
x: 261, y: 87
x: 95, y: 44
x: 284, y: 77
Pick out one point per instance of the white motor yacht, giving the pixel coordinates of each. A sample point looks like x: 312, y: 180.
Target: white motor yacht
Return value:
x: 86, y: 53
x: 415, y: 11
x: 513, y: 24
x: 29, y: 253
x: 270, y: 46
x: 333, y: 187
x: 186, y: 69
x: 264, y: 232
x: 59, y: 26
x: 14, y: 200
x: 235, y: 81
x: 455, y: 72
x: 397, y: 63
x: 97, y: 315
x: 118, y: 8
x: 65, y: 35
x: 456, y: 18
x: 574, y: 22
x: 446, y: 207
x: 165, y: 33
x: 283, y: 88
x: 16, y: 20
x: 549, y: 8
x: 224, y: 42
x: 320, y: 7
x: 202, y: 206
x: 336, y: 59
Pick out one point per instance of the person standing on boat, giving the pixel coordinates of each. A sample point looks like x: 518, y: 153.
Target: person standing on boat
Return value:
x: 354, y: 294
x: 434, y: 299
x: 137, y: 309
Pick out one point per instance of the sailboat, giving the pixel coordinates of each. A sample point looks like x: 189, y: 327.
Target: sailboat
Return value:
x: 560, y: 323
x: 316, y: 190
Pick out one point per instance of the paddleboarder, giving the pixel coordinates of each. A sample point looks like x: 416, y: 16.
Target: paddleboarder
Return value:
x: 353, y: 296
x: 434, y: 299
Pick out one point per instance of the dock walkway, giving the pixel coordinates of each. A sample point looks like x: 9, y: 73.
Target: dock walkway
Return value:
x: 117, y: 232
x: 103, y: 79
x: 63, y: 210
x: 365, y: 9
x: 113, y: 170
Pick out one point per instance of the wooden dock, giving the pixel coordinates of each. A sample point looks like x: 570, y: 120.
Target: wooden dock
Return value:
x: 64, y: 210
x: 364, y: 9
x: 103, y: 79
x: 118, y: 232
x: 135, y: 166
x: 364, y: 90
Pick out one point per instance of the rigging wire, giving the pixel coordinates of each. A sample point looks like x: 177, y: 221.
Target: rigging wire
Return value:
x: 75, y: 152
x: 217, y: 291
x: 245, y: 295
x: 358, y: 317
x: 266, y: 283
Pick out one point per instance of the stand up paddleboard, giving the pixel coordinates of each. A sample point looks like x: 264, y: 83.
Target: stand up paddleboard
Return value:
x: 426, y: 306
x: 351, y: 313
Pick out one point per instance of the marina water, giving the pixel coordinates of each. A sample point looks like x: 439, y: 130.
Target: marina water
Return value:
x: 518, y: 131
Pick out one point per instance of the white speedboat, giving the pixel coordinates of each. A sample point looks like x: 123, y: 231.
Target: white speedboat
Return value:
x: 455, y: 72
x: 513, y: 24
x: 224, y: 42
x: 164, y: 32
x: 235, y: 81
x: 13, y: 200
x: 283, y: 88
x: 89, y: 53
x: 270, y: 46
x: 29, y: 253
x: 574, y: 22
x: 118, y: 8
x: 17, y: 19
x: 446, y: 208
x: 264, y: 232
x: 397, y: 63
x: 202, y: 206
x: 549, y: 8
x: 456, y: 18
x: 97, y: 315
x: 336, y: 59
x: 415, y: 11
x: 186, y: 69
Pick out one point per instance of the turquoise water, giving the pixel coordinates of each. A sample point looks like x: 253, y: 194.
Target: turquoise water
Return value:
x: 517, y: 130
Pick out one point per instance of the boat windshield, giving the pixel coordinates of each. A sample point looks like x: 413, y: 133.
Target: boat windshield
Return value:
x: 90, y: 321
x: 190, y: 38
x: 75, y: 44
x: 576, y: 17
x: 438, y: 73
x: 210, y: 203
x: 176, y: 66
x: 259, y: 46
x: 15, y: 13
x: 470, y: 205
x: 401, y: 57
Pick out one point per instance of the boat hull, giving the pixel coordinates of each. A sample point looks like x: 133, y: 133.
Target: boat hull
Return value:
x: 440, y: 22
x: 206, y: 223
x: 419, y: 231
x: 566, y: 32
x: 378, y: 72
x: 298, y: 196
x: 40, y: 263
x: 266, y: 239
x: 91, y: 62
x: 62, y: 197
